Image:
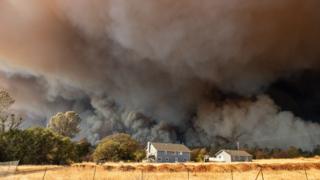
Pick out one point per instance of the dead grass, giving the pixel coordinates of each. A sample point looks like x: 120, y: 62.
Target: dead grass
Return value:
x: 293, y: 169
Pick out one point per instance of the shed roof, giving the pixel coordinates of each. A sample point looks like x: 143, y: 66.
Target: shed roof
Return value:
x: 235, y: 152
x: 170, y: 147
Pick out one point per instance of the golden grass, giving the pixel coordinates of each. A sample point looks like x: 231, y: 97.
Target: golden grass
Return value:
x: 284, y: 169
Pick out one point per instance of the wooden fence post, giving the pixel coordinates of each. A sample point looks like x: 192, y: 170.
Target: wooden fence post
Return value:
x: 94, y: 173
x: 45, y: 172
x: 231, y: 174
x: 258, y: 174
x: 142, y: 175
x: 305, y: 171
x: 262, y: 173
x: 188, y: 174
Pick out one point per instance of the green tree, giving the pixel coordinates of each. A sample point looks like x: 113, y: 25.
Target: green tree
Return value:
x: 8, y: 121
x: 316, y: 150
x: 66, y: 124
x: 37, y: 146
x: 139, y: 155
x: 198, y: 154
x: 293, y: 152
x: 117, y: 147
x: 83, y: 150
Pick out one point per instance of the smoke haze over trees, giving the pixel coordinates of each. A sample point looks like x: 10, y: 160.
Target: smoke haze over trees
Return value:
x: 8, y: 120
x: 65, y: 124
x: 204, y: 73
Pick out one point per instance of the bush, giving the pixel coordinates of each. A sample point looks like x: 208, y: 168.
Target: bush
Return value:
x: 37, y: 146
x: 198, y: 154
x: 83, y: 150
x: 117, y: 147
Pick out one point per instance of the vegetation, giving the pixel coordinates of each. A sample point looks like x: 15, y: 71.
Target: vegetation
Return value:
x: 118, y: 147
x: 197, y: 155
x: 53, y: 145
x: 84, y: 150
x: 268, y: 153
x: 36, y: 146
x: 8, y: 121
x: 66, y: 124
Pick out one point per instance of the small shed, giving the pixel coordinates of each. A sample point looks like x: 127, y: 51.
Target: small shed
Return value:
x: 233, y: 156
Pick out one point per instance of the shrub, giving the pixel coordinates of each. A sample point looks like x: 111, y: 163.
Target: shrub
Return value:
x: 37, y: 146
x: 117, y: 147
x: 198, y: 154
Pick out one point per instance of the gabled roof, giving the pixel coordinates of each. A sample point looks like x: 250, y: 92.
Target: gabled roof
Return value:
x: 234, y: 152
x: 170, y: 147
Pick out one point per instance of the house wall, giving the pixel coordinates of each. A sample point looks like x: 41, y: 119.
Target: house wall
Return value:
x: 151, y: 151
x: 164, y: 156
x: 241, y: 159
x: 223, y: 157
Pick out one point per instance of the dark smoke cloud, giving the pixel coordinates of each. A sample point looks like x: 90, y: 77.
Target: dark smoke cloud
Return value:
x: 162, y: 70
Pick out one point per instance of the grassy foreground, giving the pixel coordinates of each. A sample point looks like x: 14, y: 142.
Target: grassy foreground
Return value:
x: 291, y: 169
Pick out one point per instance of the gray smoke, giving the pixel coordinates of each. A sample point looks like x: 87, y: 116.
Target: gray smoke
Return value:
x: 160, y: 70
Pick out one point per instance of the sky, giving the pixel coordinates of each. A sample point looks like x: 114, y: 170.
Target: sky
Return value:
x: 203, y: 73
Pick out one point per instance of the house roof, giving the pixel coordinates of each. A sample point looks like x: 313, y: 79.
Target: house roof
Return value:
x: 170, y: 147
x: 234, y: 152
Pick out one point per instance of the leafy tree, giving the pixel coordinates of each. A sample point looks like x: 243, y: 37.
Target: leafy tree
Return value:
x: 198, y: 154
x: 8, y: 121
x: 294, y: 152
x: 139, y: 155
x: 66, y: 124
x: 117, y: 147
x: 36, y: 146
x: 83, y: 150
x: 261, y: 154
x: 316, y: 150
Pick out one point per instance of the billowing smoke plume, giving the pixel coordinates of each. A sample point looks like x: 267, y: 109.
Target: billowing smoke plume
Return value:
x: 197, y: 72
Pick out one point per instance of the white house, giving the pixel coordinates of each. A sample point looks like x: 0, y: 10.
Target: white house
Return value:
x: 230, y: 156
x: 165, y: 152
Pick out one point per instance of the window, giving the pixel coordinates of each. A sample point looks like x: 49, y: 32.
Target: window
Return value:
x: 159, y: 159
x: 181, y: 153
x: 167, y: 159
x: 160, y: 152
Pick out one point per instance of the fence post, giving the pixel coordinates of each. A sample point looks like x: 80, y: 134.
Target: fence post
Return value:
x: 142, y: 175
x: 231, y: 174
x: 262, y: 173
x: 17, y: 166
x: 188, y: 174
x: 305, y: 171
x: 45, y: 172
x: 258, y: 174
x: 94, y: 173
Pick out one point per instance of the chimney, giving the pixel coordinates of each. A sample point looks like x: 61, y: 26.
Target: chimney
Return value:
x: 149, y: 146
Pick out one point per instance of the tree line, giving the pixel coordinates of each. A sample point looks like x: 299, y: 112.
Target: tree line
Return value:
x: 54, y: 144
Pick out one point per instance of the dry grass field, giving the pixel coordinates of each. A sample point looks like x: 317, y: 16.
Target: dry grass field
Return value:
x: 282, y: 169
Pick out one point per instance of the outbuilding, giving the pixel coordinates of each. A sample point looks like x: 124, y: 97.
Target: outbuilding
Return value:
x: 232, y: 156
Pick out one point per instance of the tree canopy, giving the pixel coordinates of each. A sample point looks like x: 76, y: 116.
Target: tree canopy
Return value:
x: 66, y: 124
x: 118, y: 147
x: 36, y: 146
x: 8, y: 121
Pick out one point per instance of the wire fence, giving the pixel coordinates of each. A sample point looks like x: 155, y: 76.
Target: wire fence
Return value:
x: 101, y: 173
x: 9, y: 167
